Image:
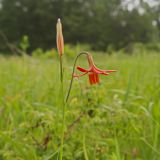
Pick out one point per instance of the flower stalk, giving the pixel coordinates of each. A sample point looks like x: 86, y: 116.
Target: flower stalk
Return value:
x: 63, y: 108
x: 93, y: 75
x: 73, y: 71
x: 60, y: 48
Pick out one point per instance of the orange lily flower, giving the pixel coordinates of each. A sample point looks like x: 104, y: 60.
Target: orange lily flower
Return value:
x: 93, y: 72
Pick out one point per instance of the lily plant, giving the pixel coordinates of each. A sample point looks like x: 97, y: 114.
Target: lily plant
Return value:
x: 93, y: 74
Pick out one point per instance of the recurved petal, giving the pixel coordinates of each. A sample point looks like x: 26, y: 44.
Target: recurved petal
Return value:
x: 98, y: 71
x: 104, y: 73
x: 82, y: 69
x: 102, y: 70
x: 110, y: 71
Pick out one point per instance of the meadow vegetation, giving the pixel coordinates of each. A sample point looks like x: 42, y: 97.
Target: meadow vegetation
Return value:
x: 116, y: 119
x: 119, y: 119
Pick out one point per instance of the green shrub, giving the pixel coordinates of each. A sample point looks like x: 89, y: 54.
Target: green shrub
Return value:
x: 24, y: 44
x: 136, y: 48
x: 70, y: 51
x: 45, y: 54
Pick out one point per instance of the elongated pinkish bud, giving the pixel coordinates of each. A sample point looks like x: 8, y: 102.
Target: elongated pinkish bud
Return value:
x: 60, y: 41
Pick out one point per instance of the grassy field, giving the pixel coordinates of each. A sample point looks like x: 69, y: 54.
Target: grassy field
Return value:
x: 119, y: 119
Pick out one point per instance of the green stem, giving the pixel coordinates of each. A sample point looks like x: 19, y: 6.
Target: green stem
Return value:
x: 74, y: 66
x: 63, y: 108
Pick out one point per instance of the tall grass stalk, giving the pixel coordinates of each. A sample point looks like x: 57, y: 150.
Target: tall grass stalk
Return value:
x: 117, y: 149
x: 84, y: 145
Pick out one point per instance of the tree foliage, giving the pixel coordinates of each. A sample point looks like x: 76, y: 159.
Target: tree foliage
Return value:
x: 100, y: 23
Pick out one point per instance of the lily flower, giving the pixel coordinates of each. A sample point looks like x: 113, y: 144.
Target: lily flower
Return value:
x: 93, y: 72
x: 60, y: 40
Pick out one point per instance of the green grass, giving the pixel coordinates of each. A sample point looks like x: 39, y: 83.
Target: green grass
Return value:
x: 116, y: 120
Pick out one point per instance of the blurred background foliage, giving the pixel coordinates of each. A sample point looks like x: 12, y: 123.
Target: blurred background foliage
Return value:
x: 105, y: 25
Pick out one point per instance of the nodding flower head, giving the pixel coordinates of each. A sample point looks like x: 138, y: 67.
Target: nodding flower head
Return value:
x: 60, y: 41
x: 93, y: 72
